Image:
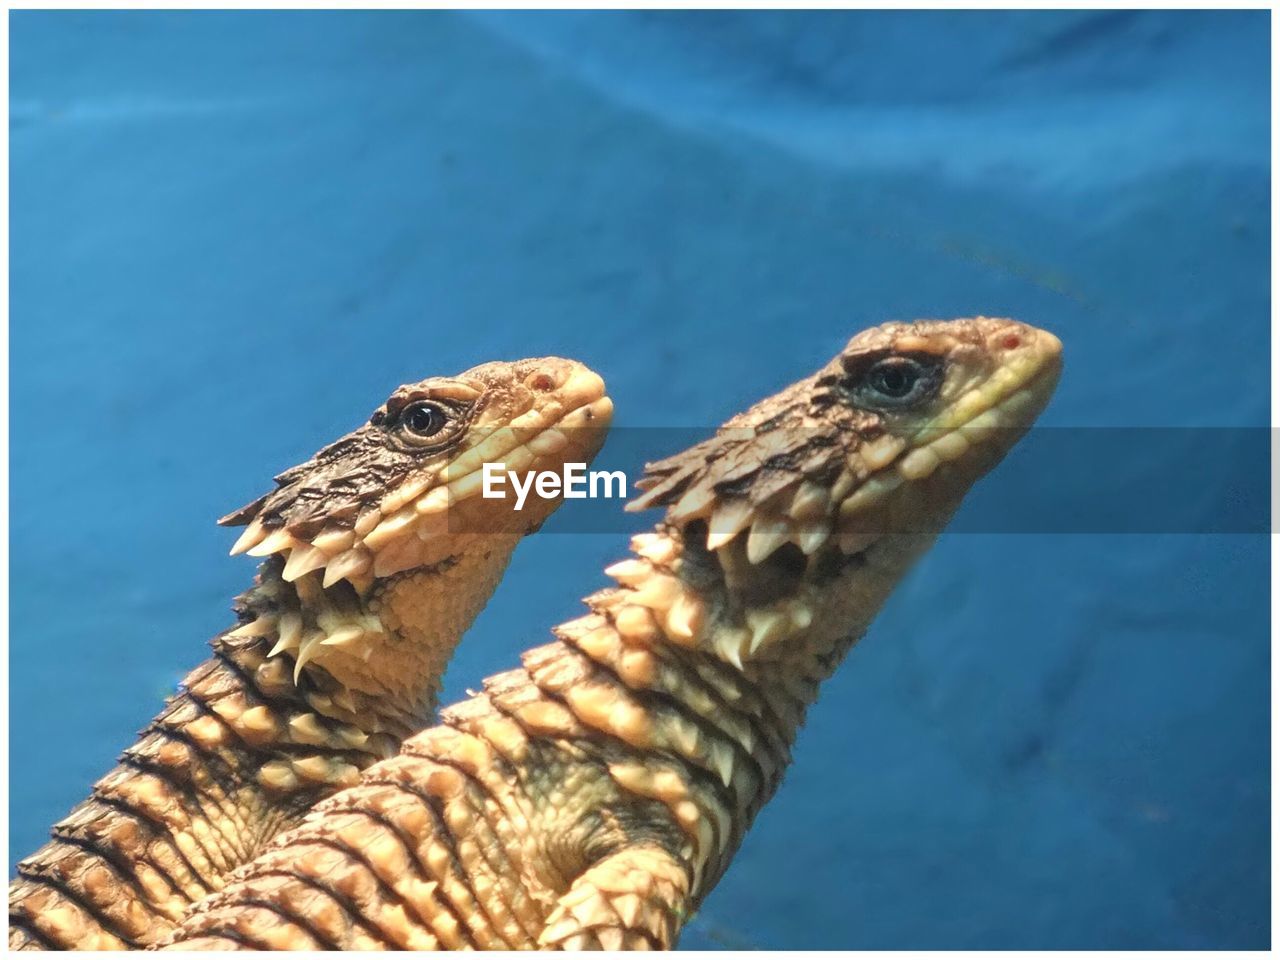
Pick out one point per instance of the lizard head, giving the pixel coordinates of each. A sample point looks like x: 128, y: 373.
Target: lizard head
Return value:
x: 400, y: 492
x: 857, y: 466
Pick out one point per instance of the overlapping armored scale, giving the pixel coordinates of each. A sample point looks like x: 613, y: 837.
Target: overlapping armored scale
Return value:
x: 620, y: 904
x: 522, y: 715
x: 690, y: 742
x: 166, y: 824
x: 746, y: 746
x: 161, y: 829
x: 375, y: 887
x: 684, y: 716
x: 171, y: 820
x: 435, y: 842
x: 419, y: 858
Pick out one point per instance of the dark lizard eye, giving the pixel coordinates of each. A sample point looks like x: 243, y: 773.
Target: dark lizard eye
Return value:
x: 894, y: 378
x: 423, y: 420
x: 896, y: 382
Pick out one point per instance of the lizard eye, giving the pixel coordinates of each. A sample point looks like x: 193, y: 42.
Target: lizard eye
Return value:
x: 423, y: 420
x: 895, y: 378
x: 897, y: 382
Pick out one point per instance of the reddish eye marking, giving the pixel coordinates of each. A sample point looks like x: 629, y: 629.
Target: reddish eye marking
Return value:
x: 1011, y: 341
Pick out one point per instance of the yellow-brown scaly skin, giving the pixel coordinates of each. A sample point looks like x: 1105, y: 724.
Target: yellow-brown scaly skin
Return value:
x: 380, y: 553
x: 594, y: 796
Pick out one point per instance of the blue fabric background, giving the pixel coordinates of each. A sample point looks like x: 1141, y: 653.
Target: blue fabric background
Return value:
x: 233, y: 233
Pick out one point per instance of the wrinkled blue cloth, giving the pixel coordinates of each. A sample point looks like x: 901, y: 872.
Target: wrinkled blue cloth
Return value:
x: 232, y: 233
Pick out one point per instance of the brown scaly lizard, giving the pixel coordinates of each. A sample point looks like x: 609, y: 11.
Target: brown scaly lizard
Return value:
x: 594, y: 796
x: 379, y: 552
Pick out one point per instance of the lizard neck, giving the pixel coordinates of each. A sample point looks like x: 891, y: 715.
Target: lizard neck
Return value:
x: 737, y: 650
x: 799, y: 639
x: 780, y: 627
x: 372, y: 657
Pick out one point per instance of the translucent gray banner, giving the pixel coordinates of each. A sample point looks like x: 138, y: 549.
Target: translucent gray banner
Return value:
x: 1055, y: 480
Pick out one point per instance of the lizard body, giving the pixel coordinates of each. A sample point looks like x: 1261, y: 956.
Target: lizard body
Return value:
x: 379, y: 552
x: 593, y: 796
